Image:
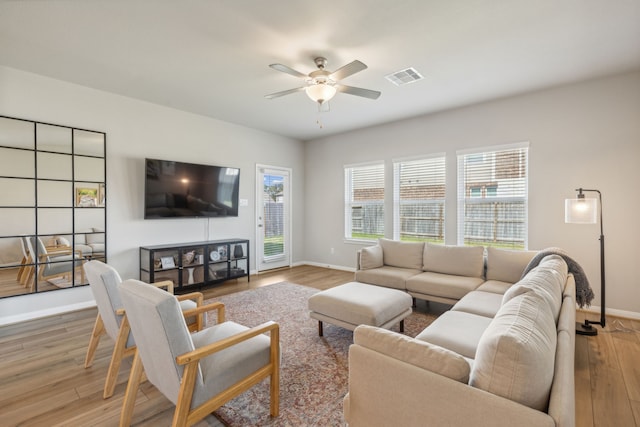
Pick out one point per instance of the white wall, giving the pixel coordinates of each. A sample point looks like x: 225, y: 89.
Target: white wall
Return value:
x: 136, y: 130
x: 583, y: 135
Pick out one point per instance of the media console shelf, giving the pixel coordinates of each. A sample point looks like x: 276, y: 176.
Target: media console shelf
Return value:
x: 195, y: 263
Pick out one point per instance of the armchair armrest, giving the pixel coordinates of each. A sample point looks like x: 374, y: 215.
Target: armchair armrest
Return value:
x: 197, y: 297
x: 164, y: 284
x: 197, y: 354
x: 204, y: 308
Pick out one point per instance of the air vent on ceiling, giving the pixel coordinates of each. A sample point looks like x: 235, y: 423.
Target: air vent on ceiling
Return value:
x: 404, y: 77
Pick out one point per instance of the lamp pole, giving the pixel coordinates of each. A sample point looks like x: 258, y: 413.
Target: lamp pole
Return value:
x: 586, y: 328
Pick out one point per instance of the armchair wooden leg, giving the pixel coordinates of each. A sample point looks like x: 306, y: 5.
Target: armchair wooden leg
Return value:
x: 185, y: 395
x: 135, y: 377
x: 116, y: 358
x: 274, y: 381
x: 98, y: 331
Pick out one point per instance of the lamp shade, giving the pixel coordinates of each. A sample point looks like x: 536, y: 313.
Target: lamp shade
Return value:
x: 581, y: 211
x: 320, y: 92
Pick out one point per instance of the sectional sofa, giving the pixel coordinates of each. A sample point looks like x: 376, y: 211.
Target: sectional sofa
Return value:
x: 502, y: 356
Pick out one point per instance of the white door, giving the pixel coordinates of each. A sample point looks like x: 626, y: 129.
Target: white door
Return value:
x: 273, y: 223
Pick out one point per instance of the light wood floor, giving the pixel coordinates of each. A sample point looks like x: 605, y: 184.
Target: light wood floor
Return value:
x: 43, y: 382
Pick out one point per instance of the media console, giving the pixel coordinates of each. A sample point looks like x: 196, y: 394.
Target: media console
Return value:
x: 195, y: 263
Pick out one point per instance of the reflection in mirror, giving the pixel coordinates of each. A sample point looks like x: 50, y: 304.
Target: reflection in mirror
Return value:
x: 17, y: 163
x: 16, y: 133
x: 54, y: 166
x: 89, y: 169
x: 86, y: 143
x: 53, y: 138
x: 17, y: 192
x: 56, y: 210
x: 55, y: 220
x: 15, y: 267
x: 55, y: 193
x: 17, y: 221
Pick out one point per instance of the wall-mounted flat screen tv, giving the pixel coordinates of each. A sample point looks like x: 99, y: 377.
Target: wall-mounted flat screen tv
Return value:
x: 188, y: 190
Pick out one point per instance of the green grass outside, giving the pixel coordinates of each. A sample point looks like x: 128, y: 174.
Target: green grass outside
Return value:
x: 274, y: 245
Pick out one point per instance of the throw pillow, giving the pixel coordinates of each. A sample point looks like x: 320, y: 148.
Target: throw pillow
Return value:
x: 371, y: 257
x: 415, y: 352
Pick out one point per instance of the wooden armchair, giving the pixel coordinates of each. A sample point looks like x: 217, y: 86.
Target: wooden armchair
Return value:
x: 60, y: 262
x: 198, y: 372
x: 111, y: 318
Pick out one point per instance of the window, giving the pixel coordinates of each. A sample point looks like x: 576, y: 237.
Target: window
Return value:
x: 418, y: 199
x: 492, y: 197
x: 364, y: 201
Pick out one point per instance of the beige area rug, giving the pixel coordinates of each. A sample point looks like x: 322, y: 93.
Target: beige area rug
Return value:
x: 314, y: 370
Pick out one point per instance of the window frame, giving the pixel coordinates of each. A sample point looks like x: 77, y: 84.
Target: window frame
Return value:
x: 490, y: 192
x: 349, y: 202
x: 397, y: 186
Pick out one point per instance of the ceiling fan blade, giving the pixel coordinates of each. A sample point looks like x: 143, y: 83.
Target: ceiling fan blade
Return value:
x: 284, y: 92
x: 347, y: 70
x: 288, y: 70
x: 358, y: 91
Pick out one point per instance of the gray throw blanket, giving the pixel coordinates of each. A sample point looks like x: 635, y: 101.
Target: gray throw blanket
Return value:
x: 584, y: 293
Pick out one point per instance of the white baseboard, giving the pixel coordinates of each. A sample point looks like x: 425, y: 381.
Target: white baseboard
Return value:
x: 318, y: 264
x: 611, y: 311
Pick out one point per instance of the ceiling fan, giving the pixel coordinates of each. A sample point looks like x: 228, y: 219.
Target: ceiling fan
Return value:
x: 322, y: 85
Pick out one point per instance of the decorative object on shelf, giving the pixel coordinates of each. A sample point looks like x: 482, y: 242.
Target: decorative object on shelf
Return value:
x: 585, y: 211
x: 199, y: 258
x: 214, y: 256
x: 188, y: 257
x: 157, y: 263
x: 238, y: 252
x: 222, y: 250
x: 167, y: 262
x: 190, y: 280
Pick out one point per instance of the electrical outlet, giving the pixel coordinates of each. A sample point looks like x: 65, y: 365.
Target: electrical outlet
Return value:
x: 333, y: 251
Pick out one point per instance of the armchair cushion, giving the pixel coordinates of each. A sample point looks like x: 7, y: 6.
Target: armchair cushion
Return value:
x: 371, y: 257
x: 415, y: 352
x: 232, y: 364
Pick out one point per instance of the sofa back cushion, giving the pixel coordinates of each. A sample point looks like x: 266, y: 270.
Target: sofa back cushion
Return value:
x: 415, y: 352
x: 547, y: 279
x: 457, y: 260
x: 371, y: 257
x: 402, y: 254
x: 516, y: 354
x: 507, y: 265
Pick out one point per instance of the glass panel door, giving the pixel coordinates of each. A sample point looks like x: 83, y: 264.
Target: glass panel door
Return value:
x: 272, y: 222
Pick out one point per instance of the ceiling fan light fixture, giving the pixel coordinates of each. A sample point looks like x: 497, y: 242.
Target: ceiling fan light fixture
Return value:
x: 320, y: 92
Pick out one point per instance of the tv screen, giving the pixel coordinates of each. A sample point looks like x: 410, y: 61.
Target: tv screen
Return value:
x: 188, y: 190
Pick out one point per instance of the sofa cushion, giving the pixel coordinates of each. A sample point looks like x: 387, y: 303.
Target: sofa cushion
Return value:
x: 442, y: 285
x: 507, y: 265
x: 495, y: 286
x: 371, y: 257
x: 456, y: 331
x: 516, y: 354
x: 457, y: 260
x: 547, y: 279
x: 481, y: 303
x: 402, y: 254
x: 415, y: 352
x: 391, y: 277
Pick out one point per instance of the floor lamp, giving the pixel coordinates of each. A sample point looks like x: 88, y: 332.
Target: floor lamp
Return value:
x: 585, y: 211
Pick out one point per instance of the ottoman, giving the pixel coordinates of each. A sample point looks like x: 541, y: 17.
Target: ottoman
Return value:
x: 356, y: 303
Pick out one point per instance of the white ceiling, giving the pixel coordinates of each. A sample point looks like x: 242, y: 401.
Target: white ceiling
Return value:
x: 211, y: 57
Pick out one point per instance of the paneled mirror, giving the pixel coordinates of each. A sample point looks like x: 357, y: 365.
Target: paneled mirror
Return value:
x: 52, y: 205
